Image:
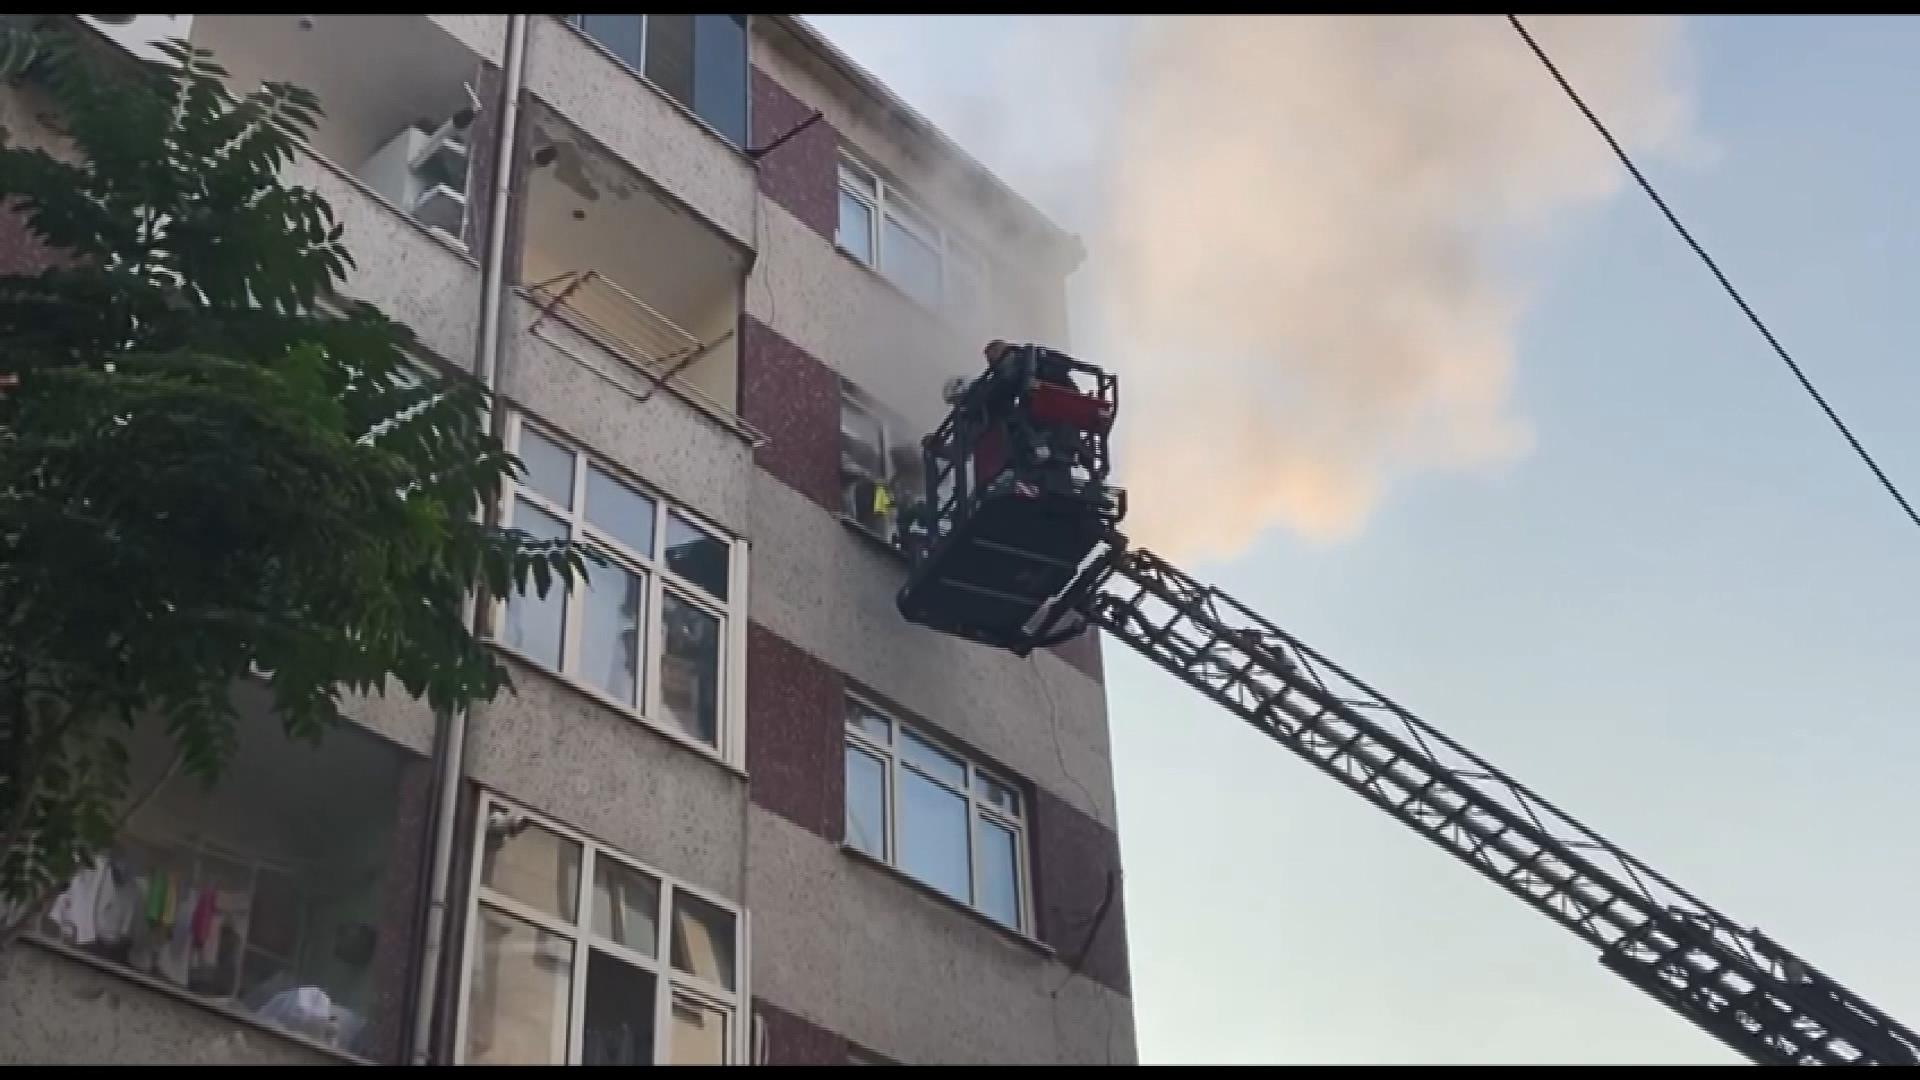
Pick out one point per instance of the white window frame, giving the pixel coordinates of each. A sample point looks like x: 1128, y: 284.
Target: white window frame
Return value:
x: 854, y: 399
x: 669, y: 982
x: 893, y: 763
x: 729, y: 733
x: 638, y: 67
x: 872, y: 189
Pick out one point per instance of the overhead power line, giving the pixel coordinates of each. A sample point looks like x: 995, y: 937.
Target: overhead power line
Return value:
x: 1778, y: 349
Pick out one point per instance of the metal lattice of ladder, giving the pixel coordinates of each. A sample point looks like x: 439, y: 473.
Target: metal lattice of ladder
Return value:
x: 1734, y: 983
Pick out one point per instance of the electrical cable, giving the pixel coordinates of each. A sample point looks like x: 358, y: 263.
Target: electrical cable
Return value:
x: 1674, y: 220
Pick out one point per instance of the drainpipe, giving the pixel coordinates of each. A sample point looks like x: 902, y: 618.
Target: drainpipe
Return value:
x: 453, y: 749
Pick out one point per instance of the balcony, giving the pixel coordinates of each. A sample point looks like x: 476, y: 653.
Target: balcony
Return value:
x: 401, y: 101
x: 617, y: 263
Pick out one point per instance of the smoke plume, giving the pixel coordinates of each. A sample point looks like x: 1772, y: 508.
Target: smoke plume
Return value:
x: 1295, y: 269
x: 1295, y: 230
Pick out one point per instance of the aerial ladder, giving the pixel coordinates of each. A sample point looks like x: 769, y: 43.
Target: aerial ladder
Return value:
x: 1014, y: 543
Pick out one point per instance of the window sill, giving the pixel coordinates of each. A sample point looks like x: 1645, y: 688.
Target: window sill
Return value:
x: 867, y: 536
x: 219, y: 1008
x: 627, y: 712
x: 1018, y: 937
x: 697, y: 120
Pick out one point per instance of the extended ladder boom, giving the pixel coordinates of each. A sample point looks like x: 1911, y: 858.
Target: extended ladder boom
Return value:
x: 1735, y: 983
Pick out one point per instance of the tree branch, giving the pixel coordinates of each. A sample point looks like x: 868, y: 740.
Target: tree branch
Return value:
x: 32, y: 910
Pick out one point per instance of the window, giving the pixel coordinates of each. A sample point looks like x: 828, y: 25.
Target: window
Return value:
x: 273, y: 892
x: 882, y: 229
x: 577, y: 955
x: 698, y: 60
x: 649, y: 629
x: 954, y: 825
x: 877, y: 469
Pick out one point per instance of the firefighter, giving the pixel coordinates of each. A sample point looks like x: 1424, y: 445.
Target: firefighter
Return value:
x: 1037, y: 446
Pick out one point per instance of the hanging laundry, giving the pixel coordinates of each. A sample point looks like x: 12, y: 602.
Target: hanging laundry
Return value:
x: 173, y: 958
x: 203, y: 911
x: 206, y: 953
x: 182, y: 922
x: 157, y: 897
x: 74, y: 909
x: 120, y: 899
x: 172, y: 905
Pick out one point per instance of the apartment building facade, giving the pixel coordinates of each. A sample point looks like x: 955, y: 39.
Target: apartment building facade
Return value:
x: 736, y: 810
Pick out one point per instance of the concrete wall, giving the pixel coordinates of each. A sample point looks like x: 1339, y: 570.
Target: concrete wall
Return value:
x: 558, y: 751
x: 689, y: 455
x: 412, y: 276
x: 826, y: 587
x: 486, y: 35
x: 58, y: 1010
x: 856, y: 950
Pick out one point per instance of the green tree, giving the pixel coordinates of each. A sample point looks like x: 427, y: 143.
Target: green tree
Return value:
x: 212, y: 467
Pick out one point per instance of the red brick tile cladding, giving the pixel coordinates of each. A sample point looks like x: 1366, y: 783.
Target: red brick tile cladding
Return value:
x: 1074, y: 858
x: 795, y: 400
x: 796, y: 721
x: 795, y: 1040
x: 802, y: 174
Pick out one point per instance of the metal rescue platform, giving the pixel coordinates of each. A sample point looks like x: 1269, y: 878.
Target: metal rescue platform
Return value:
x: 1016, y: 500
x: 1014, y: 543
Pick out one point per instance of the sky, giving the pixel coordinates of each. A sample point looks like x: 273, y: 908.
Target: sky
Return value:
x: 1674, y: 603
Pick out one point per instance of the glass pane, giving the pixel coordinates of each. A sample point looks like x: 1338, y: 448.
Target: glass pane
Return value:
x: 999, y: 873
x: 690, y: 668
x: 866, y: 803
x: 862, y: 441
x: 619, y: 511
x: 869, y: 723
x: 702, y: 939
x: 549, y: 467
x: 618, y: 1025
x: 996, y: 794
x: 626, y: 907
x: 699, y: 1034
x: 610, y: 631
x: 933, y: 835
x: 534, y: 622
x: 720, y: 73
x: 517, y: 1011
x: 697, y: 555
x: 670, y: 55
x: 619, y: 33
x: 855, y: 235
x: 530, y: 864
x: 912, y: 262
x: 933, y: 761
